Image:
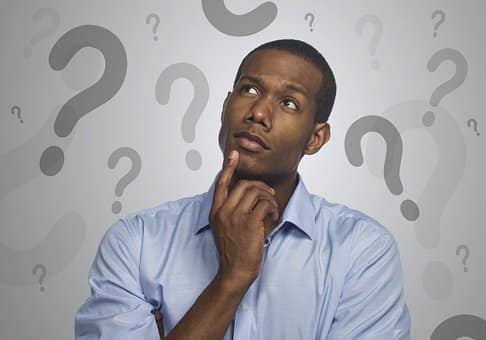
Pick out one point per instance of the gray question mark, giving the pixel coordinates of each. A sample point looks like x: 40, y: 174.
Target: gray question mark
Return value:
x: 441, y: 21
x: 54, y: 24
x: 239, y: 25
x: 311, y: 16
x: 466, y: 254
x: 458, y: 326
x: 377, y: 34
x: 393, y: 157
x: 129, y: 177
x: 52, y: 159
x: 43, y: 274
x: 16, y: 110
x: 156, y: 26
x: 475, y: 123
x: 450, y: 85
x: 198, y: 103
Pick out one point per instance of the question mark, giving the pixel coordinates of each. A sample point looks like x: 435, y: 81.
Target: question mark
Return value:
x: 54, y: 24
x: 198, y: 103
x: 472, y: 120
x: 459, y: 326
x: 52, y: 159
x: 15, y: 109
x: 239, y: 25
x: 43, y: 273
x: 129, y: 177
x: 450, y: 85
x: 442, y: 19
x: 311, y: 16
x: 393, y: 157
x: 157, y: 22
x: 466, y: 254
x: 377, y: 34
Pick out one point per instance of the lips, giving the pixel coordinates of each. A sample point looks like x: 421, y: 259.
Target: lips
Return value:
x: 251, y: 137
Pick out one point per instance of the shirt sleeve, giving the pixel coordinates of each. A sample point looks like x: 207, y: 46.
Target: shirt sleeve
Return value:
x: 117, y: 308
x: 372, y: 303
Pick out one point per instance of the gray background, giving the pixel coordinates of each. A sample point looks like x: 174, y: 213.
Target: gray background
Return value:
x: 54, y: 223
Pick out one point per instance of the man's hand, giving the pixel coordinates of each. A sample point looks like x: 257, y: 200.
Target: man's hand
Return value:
x: 237, y: 222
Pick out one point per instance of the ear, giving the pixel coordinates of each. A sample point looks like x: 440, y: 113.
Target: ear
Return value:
x: 228, y: 95
x: 319, y: 137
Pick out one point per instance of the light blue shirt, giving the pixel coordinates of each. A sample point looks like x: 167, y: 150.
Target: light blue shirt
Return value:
x: 328, y: 272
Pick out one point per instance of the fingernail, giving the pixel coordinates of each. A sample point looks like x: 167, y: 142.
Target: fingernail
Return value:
x: 232, y: 155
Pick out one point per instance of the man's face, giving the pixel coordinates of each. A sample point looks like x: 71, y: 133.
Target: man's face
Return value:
x: 273, y: 99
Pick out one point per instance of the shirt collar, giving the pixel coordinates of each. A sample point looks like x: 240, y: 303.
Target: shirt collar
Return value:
x: 299, y: 211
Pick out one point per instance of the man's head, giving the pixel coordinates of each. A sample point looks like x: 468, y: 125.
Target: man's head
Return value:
x: 283, y: 93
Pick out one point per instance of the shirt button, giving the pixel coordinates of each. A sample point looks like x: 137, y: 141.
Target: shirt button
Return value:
x: 266, y: 242
x: 245, y: 306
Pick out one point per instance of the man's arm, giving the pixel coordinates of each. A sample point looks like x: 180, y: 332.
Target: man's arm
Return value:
x: 237, y: 223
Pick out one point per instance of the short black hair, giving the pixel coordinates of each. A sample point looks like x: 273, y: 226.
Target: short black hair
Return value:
x: 327, y: 92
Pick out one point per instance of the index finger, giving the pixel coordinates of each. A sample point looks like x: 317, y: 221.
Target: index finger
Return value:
x: 224, y: 179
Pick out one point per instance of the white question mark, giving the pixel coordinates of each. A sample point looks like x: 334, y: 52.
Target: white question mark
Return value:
x: 54, y: 24
x: 378, y: 32
x: 441, y: 21
x: 129, y: 177
x: 311, y: 16
x: 466, y: 254
x: 475, y: 123
x: 16, y: 110
x: 156, y: 26
x: 43, y: 273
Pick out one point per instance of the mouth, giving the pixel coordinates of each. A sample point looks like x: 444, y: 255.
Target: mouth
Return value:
x: 250, y: 142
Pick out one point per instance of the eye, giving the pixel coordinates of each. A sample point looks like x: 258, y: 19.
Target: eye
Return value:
x: 294, y: 107
x: 247, y: 87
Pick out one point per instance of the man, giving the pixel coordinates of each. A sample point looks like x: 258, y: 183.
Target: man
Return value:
x: 257, y: 256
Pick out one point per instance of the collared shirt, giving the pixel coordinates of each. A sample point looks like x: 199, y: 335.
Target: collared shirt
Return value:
x: 328, y: 272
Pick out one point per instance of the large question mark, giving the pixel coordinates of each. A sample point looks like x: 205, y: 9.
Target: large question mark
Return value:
x: 195, y: 109
x: 51, y: 28
x: 311, y: 16
x: 157, y: 22
x: 466, y: 254
x: 239, y: 25
x: 453, y: 83
x: 52, y: 159
x: 441, y: 21
x: 475, y: 123
x: 458, y: 326
x: 129, y: 177
x: 377, y: 34
x: 440, y: 186
x: 43, y: 274
x: 393, y: 157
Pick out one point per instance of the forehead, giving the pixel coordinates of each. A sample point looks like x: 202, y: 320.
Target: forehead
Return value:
x: 276, y: 66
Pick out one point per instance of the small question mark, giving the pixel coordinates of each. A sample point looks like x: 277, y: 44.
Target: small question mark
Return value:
x: 475, y: 123
x: 311, y: 16
x: 156, y: 26
x: 393, y: 157
x: 466, y: 254
x: 441, y: 21
x: 43, y: 274
x: 54, y: 24
x: 242, y: 24
x: 16, y: 110
x: 450, y: 85
x: 459, y: 326
x: 52, y: 159
x: 129, y: 177
x: 198, y: 103
x: 377, y: 34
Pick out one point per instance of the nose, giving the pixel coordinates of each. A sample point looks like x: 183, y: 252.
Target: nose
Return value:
x: 261, y: 112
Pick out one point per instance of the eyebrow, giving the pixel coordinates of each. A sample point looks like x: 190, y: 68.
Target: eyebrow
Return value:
x: 287, y: 86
